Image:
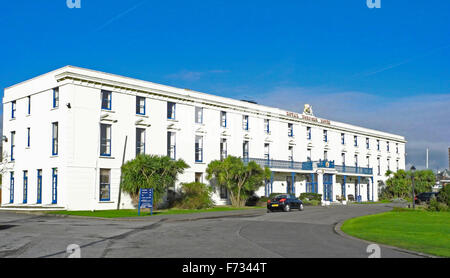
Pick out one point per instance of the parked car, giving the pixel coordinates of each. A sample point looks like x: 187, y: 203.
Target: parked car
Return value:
x: 425, y: 197
x: 284, y: 202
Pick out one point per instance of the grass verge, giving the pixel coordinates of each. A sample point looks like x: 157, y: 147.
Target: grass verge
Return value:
x: 145, y: 212
x: 417, y: 230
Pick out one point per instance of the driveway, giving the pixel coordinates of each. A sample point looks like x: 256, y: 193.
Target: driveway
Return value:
x: 305, y: 234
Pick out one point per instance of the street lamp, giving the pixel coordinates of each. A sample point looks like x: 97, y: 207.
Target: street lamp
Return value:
x: 413, y: 170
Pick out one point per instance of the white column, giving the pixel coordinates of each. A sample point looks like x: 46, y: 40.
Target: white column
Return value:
x: 320, y: 183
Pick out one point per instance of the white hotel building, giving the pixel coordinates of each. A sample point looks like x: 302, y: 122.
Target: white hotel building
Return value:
x: 64, y: 135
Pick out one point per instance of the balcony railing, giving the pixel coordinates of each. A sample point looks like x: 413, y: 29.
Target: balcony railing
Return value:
x: 309, y: 165
x: 354, y: 170
x: 280, y: 164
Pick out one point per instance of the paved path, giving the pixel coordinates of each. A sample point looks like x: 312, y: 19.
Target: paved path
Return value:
x: 309, y: 233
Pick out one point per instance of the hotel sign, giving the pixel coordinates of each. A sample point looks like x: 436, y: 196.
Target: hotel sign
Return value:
x: 308, y: 118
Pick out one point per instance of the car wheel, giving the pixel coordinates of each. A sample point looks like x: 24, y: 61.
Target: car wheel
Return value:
x: 269, y: 211
x: 287, y: 208
x: 300, y: 208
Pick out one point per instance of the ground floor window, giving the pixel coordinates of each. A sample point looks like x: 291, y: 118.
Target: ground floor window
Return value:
x: 198, y: 177
x: 223, y: 192
x: 54, y: 185
x: 105, y: 185
x: 25, y: 186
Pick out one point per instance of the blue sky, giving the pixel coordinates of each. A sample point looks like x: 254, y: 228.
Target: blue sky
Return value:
x: 386, y: 68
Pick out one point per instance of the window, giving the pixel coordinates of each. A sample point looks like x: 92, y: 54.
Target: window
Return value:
x: 140, y: 105
x: 245, y: 122
x: 105, y: 140
x: 223, y: 193
x: 388, y: 164
x: 54, y: 138
x: 28, y: 137
x: 29, y: 105
x: 13, y: 144
x: 343, y: 138
x: 267, y: 126
x: 308, y: 133
x: 25, y: 187
x: 105, y: 185
x: 11, y: 188
x: 378, y: 145
x: 343, y: 159
x: 396, y: 147
x: 308, y: 155
x: 223, y: 119
x: 223, y: 148
x: 356, y: 160
x: 55, y: 97
x: 198, y: 177
x: 355, y: 138
x: 171, y: 110
x: 39, y: 186
x: 13, y: 109
x: 368, y: 161
x: 325, y: 136
x: 106, y: 100
x: 325, y: 155
x: 266, y: 151
x: 198, y: 148
x: 291, y: 153
x: 397, y: 164
x: 171, y: 147
x: 245, y: 148
x: 140, y: 141
x: 290, y: 130
x: 387, y: 146
x: 367, y: 143
x: 54, y: 185
x: 199, y: 115
x: 379, y: 166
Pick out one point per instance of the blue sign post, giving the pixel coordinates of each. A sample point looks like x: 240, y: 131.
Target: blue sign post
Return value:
x: 145, y: 199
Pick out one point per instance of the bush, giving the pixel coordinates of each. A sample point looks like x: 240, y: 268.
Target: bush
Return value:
x: 252, y: 201
x: 311, y: 203
x: 195, y: 195
x: 444, y: 195
x: 311, y: 196
x: 435, y: 205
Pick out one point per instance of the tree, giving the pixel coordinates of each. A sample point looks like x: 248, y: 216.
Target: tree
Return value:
x: 238, y: 178
x: 399, y: 185
x: 151, y: 171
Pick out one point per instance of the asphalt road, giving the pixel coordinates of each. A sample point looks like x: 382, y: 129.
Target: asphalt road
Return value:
x: 305, y: 234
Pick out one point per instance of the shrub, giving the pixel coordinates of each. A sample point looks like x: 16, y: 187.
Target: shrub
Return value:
x: 435, y: 205
x: 311, y: 196
x: 311, y: 202
x: 444, y: 195
x: 195, y: 195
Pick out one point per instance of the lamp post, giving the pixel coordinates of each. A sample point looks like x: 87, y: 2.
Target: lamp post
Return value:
x: 413, y: 170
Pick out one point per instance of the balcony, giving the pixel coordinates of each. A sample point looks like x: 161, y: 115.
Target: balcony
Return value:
x: 309, y: 165
x: 280, y: 164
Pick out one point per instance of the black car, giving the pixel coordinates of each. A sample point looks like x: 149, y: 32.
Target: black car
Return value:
x: 425, y: 197
x: 284, y: 202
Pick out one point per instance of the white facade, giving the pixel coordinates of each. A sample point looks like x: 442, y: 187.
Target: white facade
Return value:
x: 214, y: 124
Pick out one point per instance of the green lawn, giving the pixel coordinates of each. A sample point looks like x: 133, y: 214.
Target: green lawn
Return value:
x: 134, y: 212
x: 419, y: 230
